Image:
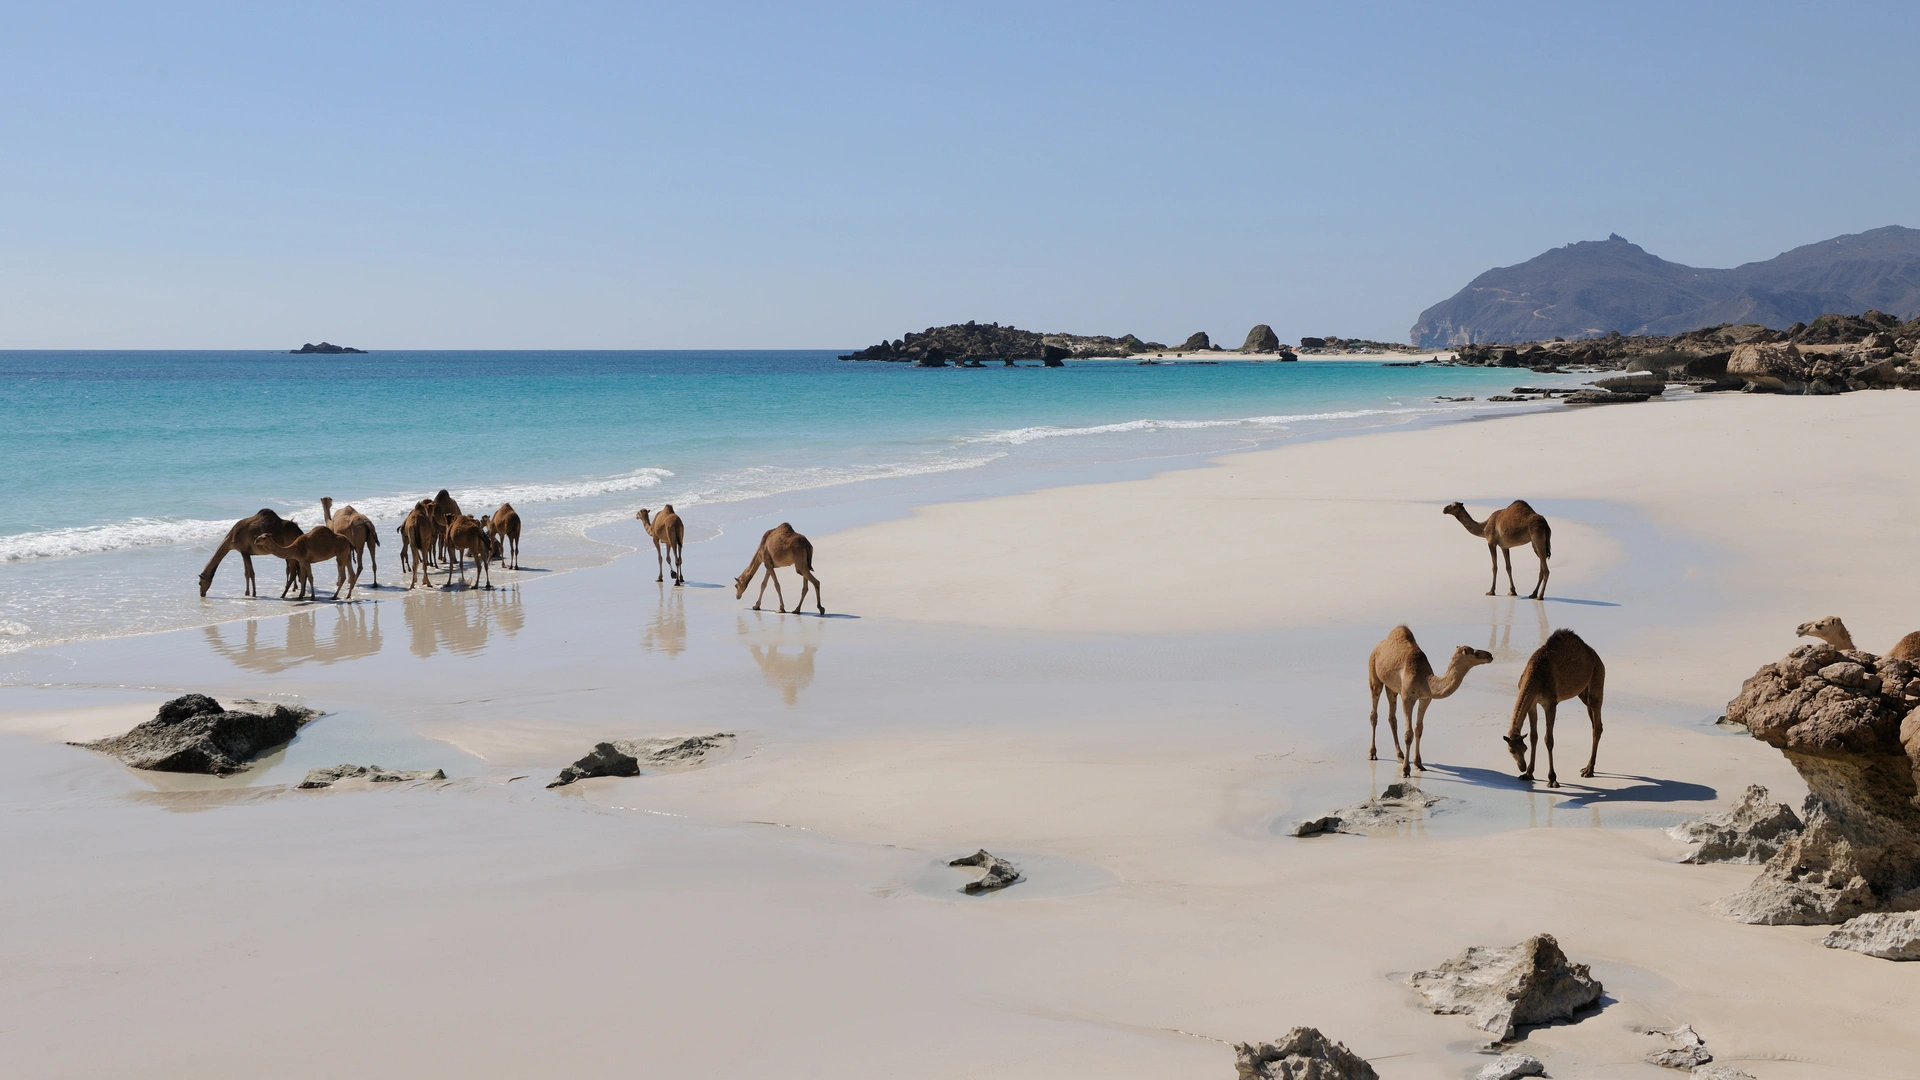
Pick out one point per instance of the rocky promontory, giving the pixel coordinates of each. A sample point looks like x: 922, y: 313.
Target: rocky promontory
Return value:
x: 326, y: 347
x: 969, y: 344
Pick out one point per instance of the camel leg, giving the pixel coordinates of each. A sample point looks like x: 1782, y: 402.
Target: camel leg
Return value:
x: 818, y: 604
x: 1417, y: 733
x: 373, y: 557
x: 1533, y: 741
x: 1539, y: 587
x: 1373, y: 719
x: 1592, y: 700
x: 800, y: 604
x: 1551, y: 706
x: 1393, y: 726
x: 764, y: 578
x: 246, y: 563
x: 515, y: 541
x: 660, y: 569
x: 1493, y: 558
x: 1511, y: 590
x: 778, y: 597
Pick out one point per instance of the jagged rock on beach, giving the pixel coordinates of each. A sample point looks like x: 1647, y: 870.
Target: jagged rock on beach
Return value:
x: 1750, y: 831
x: 1688, y: 1049
x: 1000, y: 873
x: 605, y: 759
x: 1399, y: 803
x: 623, y: 757
x: 1504, y: 989
x: 1300, y: 1054
x: 196, y: 734
x: 1603, y: 397
x: 1718, y: 1072
x: 327, y: 777
x: 1846, y: 721
x: 1885, y: 934
x: 1512, y: 1067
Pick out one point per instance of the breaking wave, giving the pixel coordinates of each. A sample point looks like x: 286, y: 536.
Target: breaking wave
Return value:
x: 1022, y: 436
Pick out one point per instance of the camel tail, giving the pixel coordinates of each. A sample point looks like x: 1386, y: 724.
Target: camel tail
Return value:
x: 1546, y: 540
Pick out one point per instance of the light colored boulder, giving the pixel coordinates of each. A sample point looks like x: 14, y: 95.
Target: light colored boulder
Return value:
x: 1512, y: 1067
x: 1504, y: 989
x: 1750, y: 831
x: 1888, y: 935
x: 1301, y: 1054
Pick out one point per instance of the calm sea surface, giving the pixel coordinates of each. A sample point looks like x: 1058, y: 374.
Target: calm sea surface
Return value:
x: 123, y: 469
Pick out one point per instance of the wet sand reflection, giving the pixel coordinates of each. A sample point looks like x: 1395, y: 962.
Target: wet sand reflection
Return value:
x: 459, y: 620
x: 354, y: 631
x: 787, y: 672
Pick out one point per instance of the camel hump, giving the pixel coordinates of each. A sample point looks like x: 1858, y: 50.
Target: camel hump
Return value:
x: 1520, y: 504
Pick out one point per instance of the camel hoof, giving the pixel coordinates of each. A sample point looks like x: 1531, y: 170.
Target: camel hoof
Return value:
x: 1373, y: 755
x: 1587, y: 773
x: 1419, y: 766
x: 1551, y: 782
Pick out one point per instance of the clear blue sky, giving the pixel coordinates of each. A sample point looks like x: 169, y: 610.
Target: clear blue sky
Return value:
x: 401, y: 175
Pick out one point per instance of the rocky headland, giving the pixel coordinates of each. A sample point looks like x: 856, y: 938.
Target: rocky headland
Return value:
x: 326, y: 347
x: 971, y: 343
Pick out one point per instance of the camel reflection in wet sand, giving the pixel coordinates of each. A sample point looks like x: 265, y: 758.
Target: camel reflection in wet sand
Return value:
x: 667, y: 631
x: 1500, y: 629
x: 786, y: 672
x: 354, y: 631
x: 459, y: 619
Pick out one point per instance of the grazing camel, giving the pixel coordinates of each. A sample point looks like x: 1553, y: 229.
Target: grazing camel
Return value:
x: 318, y: 544
x: 505, y: 525
x: 248, y: 537
x: 1399, y: 667
x: 1834, y: 632
x: 781, y: 546
x: 465, y: 536
x: 1562, y: 667
x: 668, y: 533
x: 355, y: 526
x: 1505, y: 530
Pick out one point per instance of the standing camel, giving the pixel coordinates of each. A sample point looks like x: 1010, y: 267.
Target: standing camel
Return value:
x: 358, y: 530
x: 248, y: 537
x: 1562, y: 667
x: 1399, y: 667
x: 781, y: 546
x: 318, y: 544
x: 668, y: 533
x: 1505, y: 530
x: 505, y: 525
x: 415, y: 540
x: 446, y: 510
x: 465, y: 536
x: 1834, y: 632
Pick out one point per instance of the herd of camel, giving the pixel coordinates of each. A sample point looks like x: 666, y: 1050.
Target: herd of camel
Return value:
x: 436, y: 533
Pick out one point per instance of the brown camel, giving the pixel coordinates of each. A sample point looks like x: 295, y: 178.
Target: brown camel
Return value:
x: 1505, y: 530
x: 467, y: 537
x: 416, y: 541
x: 355, y: 526
x: 1399, y: 667
x: 504, y: 525
x: 248, y: 537
x: 446, y: 510
x: 781, y: 546
x: 318, y: 544
x: 1834, y: 632
x: 1562, y: 667
x: 668, y: 533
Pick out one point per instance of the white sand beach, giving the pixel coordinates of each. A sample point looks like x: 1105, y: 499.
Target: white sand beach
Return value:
x: 1129, y: 689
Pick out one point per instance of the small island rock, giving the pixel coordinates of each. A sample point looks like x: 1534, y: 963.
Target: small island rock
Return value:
x: 325, y: 347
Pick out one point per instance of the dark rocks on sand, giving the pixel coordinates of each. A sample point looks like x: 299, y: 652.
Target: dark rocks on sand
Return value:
x: 1603, y: 397
x: 327, y: 777
x: 1262, y: 339
x: 606, y: 759
x: 1846, y: 720
x: 1301, y: 1054
x: 624, y: 757
x: 1398, y: 804
x: 1887, y: 935
x: 195, y: 734
x: 1197, y: 343
x: 1649, y: 383
x: 325, y: 347
x: 1512, y: 1067
x: 1750, y: 831
x: 1504, y: 989
x: 1000, y: 873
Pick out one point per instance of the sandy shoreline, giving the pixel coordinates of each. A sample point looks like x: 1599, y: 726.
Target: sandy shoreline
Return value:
x: 1132, y: 686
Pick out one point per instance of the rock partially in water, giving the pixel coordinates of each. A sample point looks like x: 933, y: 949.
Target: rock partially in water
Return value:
x: 1504, y: 989
x: 1751, y: 831
x: 624, y: 757
x: 1603, y: 397
x: 605, y: 759
x: 327, y: 777
x: 1885, y: 934
x: 196, y: 734
x: 1512, y: 1067
x: 1398, y: 804
x: 1301, y: 1054
x: 1686, y: 1049
x: 1000, y: 873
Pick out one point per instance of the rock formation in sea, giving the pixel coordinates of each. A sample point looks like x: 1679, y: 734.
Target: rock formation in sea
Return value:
x: 999, y: 872
x: 1846, y: 720
x: 1262, y: 339
x: 991, y: 341
x: 1301, y: 1054
x: 1505, y: 989
x: 373, y: 774
x: 196, y: 734
x: 1751, y: 831
x: 325, y: 347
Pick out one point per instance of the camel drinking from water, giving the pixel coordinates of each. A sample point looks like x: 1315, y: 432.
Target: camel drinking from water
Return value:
x: 249, y: 537
x: 1505, y: 530
x: 1399, y: 667
x: 781, y: 546
x: 1562, y: 668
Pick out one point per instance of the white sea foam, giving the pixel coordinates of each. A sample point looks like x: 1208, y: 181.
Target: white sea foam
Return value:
x: 93, y: 539
x: 10, y: 628
x: 1022, y: 436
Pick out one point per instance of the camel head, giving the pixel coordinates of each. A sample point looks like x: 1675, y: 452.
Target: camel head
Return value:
x: 1466, y: 657
x: 1517, y: 746
x: 1453, y: 508
x: 740, y: 583
x: 642, y: 516
x: 326, y: 508
x: 1830, y: 630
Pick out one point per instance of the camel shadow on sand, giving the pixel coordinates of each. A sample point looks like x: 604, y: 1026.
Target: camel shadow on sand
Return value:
x: 1644, y: 789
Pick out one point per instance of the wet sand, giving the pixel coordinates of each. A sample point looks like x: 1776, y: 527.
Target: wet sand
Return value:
x: 1132, y: 694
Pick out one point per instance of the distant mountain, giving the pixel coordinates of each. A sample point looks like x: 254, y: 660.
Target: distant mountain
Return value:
x: 1596, y: 286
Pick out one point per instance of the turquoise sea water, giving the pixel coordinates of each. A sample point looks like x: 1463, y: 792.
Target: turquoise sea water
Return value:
x: 125, y: 468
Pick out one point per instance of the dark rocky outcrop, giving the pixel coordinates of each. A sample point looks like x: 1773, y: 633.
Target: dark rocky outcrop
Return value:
x: 1750, y: 831
x: 374, y: 774
x: 1505, y: 989
x: 625, y: 757
x: 999, y: 872
x: 1262, y: 339
x: 1603, y: 397
x: 1399, y: 803
x: 1300, y: 1054
x: 974, y: 341
x: 1197, y: 343
x: 196, y: 734
x: 1887, y: 935
x: 605, y: 759
x: 1846, y: 721
x: 325, y: 347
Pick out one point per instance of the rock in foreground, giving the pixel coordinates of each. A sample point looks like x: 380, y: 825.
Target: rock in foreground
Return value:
x: 1504, y: 989
x: 624, y: 757
x: 605, y: 759
x: 327, y: 777
x: 1301, y: 1054
x: 1751, y: 831
x: 1400, y: 803
x: 1000, y: 873
x: 1512, y: 1067
x: 1887, y: 935
x: 1718, y: 1072
x: 1685, y: 1049
x: 1846, y: 721
x: 196, y: 734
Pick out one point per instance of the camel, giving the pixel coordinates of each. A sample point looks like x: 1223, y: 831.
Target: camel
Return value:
x: 355, y: 526
x: 1505, y: 530
x: 318, y: 544
x: 668, y: 533
x: 1399, y: 667
x: 781, y: 546
x: 1563, y: 667
x: 248, y: 537
x: 416, y: 541
x: 504, y: 525
x: 446, y: 510
x: 464, y: 537
x: 1834, y: 632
